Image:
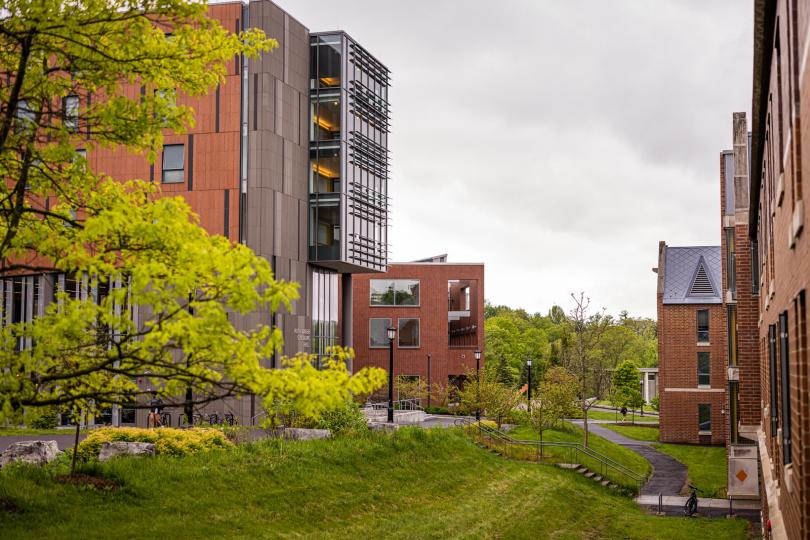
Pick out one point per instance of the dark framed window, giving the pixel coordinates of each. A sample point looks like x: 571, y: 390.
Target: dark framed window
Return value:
x: 703, y: 325
x: 394, y: 292
x: 772, y: 379
x: 731, y: 262
x: 704, y: 366
x: 70, y: 107
x: 408, y: 333
x: 754, y: 268
x: 378, y: 333
x: 784, y: 368
x: 173, y: 163
x: 705, y: 418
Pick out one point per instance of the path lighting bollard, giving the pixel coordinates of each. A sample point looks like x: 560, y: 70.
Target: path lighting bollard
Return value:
x: 392, y: 333
x: 478, y: 386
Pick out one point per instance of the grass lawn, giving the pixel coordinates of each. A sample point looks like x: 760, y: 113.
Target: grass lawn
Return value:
x: 412, y: 484
x: 572, y: 433
x: 609, y: 415
x: 708, y: 466
x: 640, y: 433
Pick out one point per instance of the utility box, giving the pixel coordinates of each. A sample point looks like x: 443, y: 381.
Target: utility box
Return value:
x: 743, y: 471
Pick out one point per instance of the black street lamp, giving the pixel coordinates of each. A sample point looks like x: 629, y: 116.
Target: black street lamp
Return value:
x: 392, y: 333
x: 478, y: 386
x: 529, y: 402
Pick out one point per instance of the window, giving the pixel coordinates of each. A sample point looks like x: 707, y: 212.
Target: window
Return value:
x: 704, y: 369
x: 703, y: 326
x: 705, y: 418
x: 731, y: 319
x: 754, y: 268
x: 25, y: 113
x: 784, y: 368
x: 408, y: 332
x: 772, y: 372
x: 394, y: 292
x: 378, y: 333
x: 173, y: 159
x: 731, y: 262
x: 70, y: 106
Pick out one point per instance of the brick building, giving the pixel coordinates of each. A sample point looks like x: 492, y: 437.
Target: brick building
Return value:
x: 288, y: 156
x: 437, y: 309
x: 691, y: 345
x: 777, y: 214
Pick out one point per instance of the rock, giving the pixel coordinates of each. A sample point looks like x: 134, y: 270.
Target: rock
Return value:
x: 33, y: 452
x: 383, y: 426
x: 125, y: 448
x: 301, y: 434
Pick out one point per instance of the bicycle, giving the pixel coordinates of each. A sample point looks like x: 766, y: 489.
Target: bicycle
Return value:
x: 691, y: 506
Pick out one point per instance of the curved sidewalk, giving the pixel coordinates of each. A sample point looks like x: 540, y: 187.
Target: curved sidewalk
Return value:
x: 668, y: 476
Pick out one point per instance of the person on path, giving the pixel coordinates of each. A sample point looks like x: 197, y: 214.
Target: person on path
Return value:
x: 624, y: 414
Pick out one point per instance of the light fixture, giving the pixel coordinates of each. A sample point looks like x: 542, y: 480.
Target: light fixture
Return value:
x: 529, y: 363
x: 392, y: 333
x: 477, y: 355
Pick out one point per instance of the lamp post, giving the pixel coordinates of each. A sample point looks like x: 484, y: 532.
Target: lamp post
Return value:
x: 478, y: 386
x: 529, y: 400
x: 392, y: 333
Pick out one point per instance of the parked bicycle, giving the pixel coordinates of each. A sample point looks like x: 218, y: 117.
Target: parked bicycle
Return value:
x: 691, y: 506
x: 230, y: 419
x: 166, y: 419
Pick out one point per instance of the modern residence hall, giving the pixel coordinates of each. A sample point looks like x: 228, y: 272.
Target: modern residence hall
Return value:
x: 289, y: 157
x: 437, y: 310
x: 691, y: 344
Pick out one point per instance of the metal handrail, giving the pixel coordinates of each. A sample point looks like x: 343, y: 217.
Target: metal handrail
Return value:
x: 606, y: 463
x: 411, y: 404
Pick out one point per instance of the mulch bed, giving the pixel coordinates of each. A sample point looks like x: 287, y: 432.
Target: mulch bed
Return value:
x: 81, y: 479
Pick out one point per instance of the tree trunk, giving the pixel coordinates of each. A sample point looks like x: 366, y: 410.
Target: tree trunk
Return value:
x: 75, y: 450
x: 585, y: 425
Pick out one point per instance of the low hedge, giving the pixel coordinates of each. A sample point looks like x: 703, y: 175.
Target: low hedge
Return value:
x: 167, y: 441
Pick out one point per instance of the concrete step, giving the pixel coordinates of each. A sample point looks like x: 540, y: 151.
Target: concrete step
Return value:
x: 597, y: 478
x: 570, y: 466
x: 590, y: 474
x: 582, y: 470
x: 605, y: 483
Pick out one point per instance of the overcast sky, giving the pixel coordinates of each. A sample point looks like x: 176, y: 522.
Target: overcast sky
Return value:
x: 555, y: 141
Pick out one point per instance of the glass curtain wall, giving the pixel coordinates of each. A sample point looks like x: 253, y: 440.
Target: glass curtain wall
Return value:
x: 325, y: 309
x: 348, y: 154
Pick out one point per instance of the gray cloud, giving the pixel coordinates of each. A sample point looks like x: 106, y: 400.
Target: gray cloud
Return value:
x: 555, y: 141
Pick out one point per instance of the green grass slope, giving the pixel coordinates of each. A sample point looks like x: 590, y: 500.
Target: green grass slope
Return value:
x: 413, y: 484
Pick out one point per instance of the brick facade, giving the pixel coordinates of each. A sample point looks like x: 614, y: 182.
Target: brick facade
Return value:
x: 778, y: 213
x: 432, y: 312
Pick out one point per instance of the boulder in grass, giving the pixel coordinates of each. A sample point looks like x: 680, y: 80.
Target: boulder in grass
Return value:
x: 113, y: 449
x: 304, y: 434
x: 33, y: 452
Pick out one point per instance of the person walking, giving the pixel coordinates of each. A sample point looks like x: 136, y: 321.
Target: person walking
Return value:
x: 155, y: 409
x: 624, y: 414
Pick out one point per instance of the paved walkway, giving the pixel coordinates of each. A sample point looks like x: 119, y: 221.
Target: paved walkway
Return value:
x: 668, y: 476
x: 62, y: 441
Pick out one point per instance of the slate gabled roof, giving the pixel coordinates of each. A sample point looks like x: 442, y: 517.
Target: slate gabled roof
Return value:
x: 693, y: 275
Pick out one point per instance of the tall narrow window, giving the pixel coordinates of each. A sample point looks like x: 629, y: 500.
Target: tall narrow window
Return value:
x: 772, y: 373
x: 784, y: 357
x: 705, y: 418
x: 704, y: 369
x: 731, y: 262
x: 173, y: 161
x: 703, y: 325
x: 732, y: 334
x: 70, y: 107
x: 754, y: 268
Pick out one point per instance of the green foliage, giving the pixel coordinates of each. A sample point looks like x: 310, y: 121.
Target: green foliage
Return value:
x: 655, y: 402
x: 491, y: 398
x: 347, y: 419
x: 626, y: 375
x: 503, y: 373
x: 556, y: 400
x: 41, y: 418
x: 167, y: 441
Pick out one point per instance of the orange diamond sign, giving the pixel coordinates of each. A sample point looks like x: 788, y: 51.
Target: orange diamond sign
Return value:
x: 741, y: 476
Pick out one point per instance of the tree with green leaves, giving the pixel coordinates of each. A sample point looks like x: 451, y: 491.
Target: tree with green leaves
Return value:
x: 555, y: 400
x: 625, y: 390
x: 163, y: 295
x: 489, y: 397
x: 503, y: 372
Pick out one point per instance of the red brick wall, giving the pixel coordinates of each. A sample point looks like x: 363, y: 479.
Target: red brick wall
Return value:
x: 677, y: 363
x: 786, y: 268
x: 432, y: 313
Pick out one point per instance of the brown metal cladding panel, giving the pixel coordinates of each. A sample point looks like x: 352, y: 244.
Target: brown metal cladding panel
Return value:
x: 272, y: 22
x: 298, y: 56
x: 229, y: 104
x: 216, y: 161
x: 266, y: 102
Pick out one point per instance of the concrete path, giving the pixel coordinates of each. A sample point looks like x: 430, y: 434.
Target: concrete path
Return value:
x: 668, y: 476
x: 62, y: 441
x: 673, y: 506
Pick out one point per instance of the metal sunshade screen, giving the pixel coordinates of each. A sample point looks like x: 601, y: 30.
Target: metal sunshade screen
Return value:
x: 701, y: 286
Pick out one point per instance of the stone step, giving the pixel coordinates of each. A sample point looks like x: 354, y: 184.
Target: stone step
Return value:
x: 571, y: 466
x: 597, y: 478
x: 590, y: 474
x: 582, y: 470
x: 606, y: 483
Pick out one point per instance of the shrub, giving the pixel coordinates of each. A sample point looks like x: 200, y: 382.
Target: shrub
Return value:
x: 520, y: 417
x: 345, y: 420
x: 437, y: 410
x: 167, y: 441
x: 41, y: 418
x: 655, y: 402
